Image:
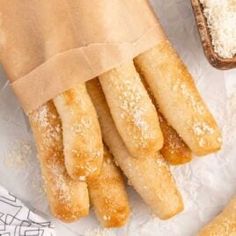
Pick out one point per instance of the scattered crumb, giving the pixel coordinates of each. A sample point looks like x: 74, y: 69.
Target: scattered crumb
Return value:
x: 106, y: 218
x: 38, y: 185
x: 82, y: 178
x: 202, y: 128
x: 62, y: 183
x: 18, y: 156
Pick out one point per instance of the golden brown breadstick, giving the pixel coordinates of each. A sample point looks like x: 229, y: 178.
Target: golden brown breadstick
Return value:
x: 68, y: 199
x: 83, y: 147
x: 132, y: 110
x: 174, y: 150
x: 224, y: 224
x: 178, y: 98
x: 150, y: 176
x: 108, y: 195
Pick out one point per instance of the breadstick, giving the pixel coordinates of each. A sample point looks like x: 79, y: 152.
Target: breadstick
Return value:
x: 108, y: 195
x: 178, y: 98
x: 68, y: 199
x: 224, y: 224
x: 174, y: 150
x: 132, y: 110
x: 150, y: 176
x: 83, y: 147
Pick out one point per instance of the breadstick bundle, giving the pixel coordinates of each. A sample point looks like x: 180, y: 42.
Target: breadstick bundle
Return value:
x: 185, y: 123
x: 178, y: 98
x: 66, y: 128
x: 138, y: 113
x: 69, y: 198
x: 150, y: 176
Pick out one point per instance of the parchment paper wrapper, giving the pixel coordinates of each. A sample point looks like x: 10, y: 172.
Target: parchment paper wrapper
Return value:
x: 48, y: 46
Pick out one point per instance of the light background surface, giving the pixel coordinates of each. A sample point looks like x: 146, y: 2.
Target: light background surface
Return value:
x: 206, y: 184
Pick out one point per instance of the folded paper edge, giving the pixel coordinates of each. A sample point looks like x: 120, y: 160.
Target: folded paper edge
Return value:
x: 79, y: 65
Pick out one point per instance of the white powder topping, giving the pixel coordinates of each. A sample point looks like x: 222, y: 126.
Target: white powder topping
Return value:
x: 51, y: 140
x: 62, y: 183
x: 202, y: 128
x: 82, y: 178
x: 106, y: 218
x: 41, y: 116
x: 133, y: 111
x: 196, y: 104
x: 138, y: 120
x: 81, y: 126
x: 51, y: 134
x: 221, y: 20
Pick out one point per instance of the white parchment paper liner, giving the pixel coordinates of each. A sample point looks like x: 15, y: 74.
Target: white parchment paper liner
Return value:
x: 207, y: 183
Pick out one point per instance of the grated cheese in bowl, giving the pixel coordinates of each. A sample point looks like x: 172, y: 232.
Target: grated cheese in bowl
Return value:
x: 221, y: 20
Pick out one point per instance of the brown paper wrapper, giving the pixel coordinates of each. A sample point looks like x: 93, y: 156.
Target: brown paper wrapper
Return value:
x: 49, y: 46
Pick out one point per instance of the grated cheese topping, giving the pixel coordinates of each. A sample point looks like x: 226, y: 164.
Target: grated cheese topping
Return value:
x: 221, y: 20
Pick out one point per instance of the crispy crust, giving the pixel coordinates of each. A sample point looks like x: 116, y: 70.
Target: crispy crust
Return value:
x: 174, y: 150
x: 108, y: 195
x: 132, y: 110
x: 83, y: 147
x: 68, y: 199
x: 178, y: 98
x: 150, y: 176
